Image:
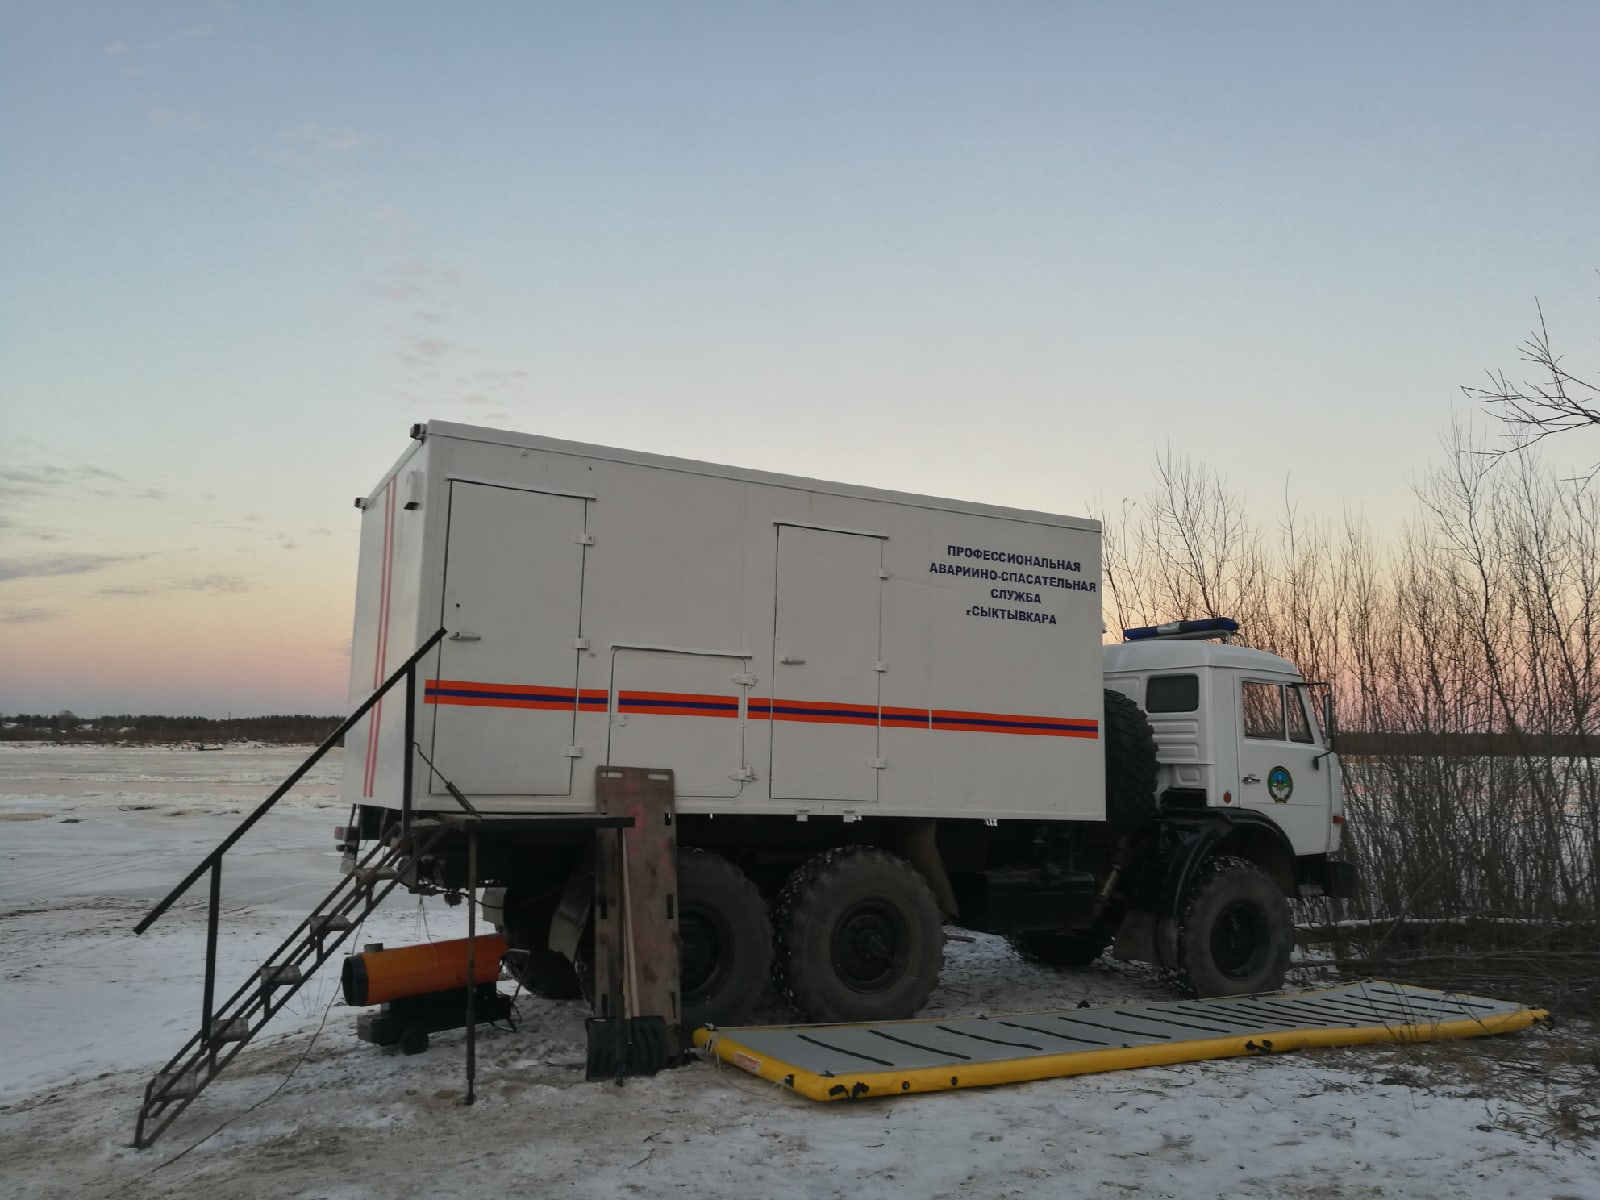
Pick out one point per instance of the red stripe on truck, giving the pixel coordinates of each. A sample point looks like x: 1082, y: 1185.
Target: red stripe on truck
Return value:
x: 760, y: 708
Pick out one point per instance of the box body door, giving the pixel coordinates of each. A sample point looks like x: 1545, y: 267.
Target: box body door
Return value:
x: 505, y: 697
x: 824, y: 707
x: 683, y: 712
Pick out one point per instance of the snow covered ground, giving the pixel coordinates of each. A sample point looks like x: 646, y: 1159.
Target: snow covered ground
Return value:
x: 90, y: 837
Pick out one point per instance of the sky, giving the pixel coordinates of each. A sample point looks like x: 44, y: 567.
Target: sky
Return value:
x: 1007, y: 252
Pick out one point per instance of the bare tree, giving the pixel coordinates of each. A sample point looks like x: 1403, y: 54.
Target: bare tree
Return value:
x: 1555, y: 401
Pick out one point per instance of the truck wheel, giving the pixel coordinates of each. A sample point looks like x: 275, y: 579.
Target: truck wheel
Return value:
x: 1058, y: 949
x: 859, y: 937
x: 725, y: 943
x: 1130, y: 750
x: 525, y: 920
x: 1236, y: 932
x: 726, y: 939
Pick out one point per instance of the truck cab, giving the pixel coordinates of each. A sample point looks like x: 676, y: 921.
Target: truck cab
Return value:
x: 1235, y: 728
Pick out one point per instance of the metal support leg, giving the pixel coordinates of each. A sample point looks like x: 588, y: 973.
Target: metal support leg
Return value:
x: 411, y: 741
x: 213, y: 918
x: 472, y: 963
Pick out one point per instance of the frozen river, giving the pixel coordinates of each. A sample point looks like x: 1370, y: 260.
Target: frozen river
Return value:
x: 91, y: 837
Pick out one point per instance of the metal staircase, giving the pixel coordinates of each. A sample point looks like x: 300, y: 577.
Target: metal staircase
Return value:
x: 231, y: 1025
x: 226, y: 1028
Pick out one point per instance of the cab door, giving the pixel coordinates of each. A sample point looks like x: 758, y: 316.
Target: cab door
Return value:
x: 1283, y: 770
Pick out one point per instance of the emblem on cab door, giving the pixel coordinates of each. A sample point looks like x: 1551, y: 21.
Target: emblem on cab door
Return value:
x: 1280, y: 784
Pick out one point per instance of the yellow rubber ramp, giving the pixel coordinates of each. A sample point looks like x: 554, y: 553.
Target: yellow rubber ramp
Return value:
x: 894, y: 1058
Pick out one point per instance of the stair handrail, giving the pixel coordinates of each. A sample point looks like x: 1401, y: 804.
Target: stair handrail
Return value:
x: 403, y: 671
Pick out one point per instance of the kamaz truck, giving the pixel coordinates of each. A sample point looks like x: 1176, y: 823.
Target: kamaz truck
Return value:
x: 885, y: 715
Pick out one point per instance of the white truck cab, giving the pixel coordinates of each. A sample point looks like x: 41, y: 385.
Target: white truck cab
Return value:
x: 1234, y: 728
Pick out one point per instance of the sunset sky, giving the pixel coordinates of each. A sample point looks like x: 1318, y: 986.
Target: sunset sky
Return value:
x: 1005, y: 251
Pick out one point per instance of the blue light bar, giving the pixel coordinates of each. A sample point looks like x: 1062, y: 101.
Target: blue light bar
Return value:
x: 1208, y: 628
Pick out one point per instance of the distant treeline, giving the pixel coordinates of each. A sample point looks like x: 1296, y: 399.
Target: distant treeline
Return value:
x: 206, y: 731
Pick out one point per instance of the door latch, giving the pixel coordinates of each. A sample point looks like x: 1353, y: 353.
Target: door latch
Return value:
x: 461, y: 635
x: 1251, y: 779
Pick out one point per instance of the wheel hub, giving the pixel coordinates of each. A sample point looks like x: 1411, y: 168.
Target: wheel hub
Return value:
x: 868, y: 947
x: 1238, y: 940
x: 701, y: 952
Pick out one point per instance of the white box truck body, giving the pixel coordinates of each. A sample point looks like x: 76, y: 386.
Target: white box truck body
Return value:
x: 783, y: 645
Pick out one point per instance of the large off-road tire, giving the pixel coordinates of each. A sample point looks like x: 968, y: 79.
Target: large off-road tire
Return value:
x: 524, y: 918
x: 1059, y: 949
x: 1130, y: 750
x: 860, y: 937
x: 726, y: 938
x: 1236, y: 932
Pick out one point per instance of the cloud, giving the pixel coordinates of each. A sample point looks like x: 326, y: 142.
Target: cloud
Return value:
x: 418, y: 277
x: 27, y: 616
x: 322, y: 531
x: 61, y: 564
x: 426, y: 352
x: 216, y: 584
x: 337, y: 143
x: 332, y: 141
x: 28, y: 482
x: 118, y: 48
x: 34, y: 481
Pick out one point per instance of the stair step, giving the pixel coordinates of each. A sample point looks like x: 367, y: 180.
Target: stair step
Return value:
x: 332, y: 923
x: 174, y: 1085
x: 230, y: 1029
x: 278, y: 976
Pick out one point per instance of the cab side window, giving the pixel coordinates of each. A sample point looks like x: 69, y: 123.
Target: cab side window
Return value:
x: 1172, y: 693
x: 1263, y: 711
x: 1299, y: 723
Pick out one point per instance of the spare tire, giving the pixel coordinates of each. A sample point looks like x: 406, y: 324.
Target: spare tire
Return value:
x: 1130, y: 750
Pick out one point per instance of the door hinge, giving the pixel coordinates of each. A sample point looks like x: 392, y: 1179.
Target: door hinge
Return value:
x: 580, y: 643
x: 744, y: 680
x: 850, y: 816
x: 802, y: 814
x: 573, y: 752
x: 883, y: 572
x: 743, y: 775
x: 878, y: 764
x: 584, y: 539
x: 880, y: 667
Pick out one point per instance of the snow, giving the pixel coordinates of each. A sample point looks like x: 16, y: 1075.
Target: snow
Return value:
x: 90, y: 837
